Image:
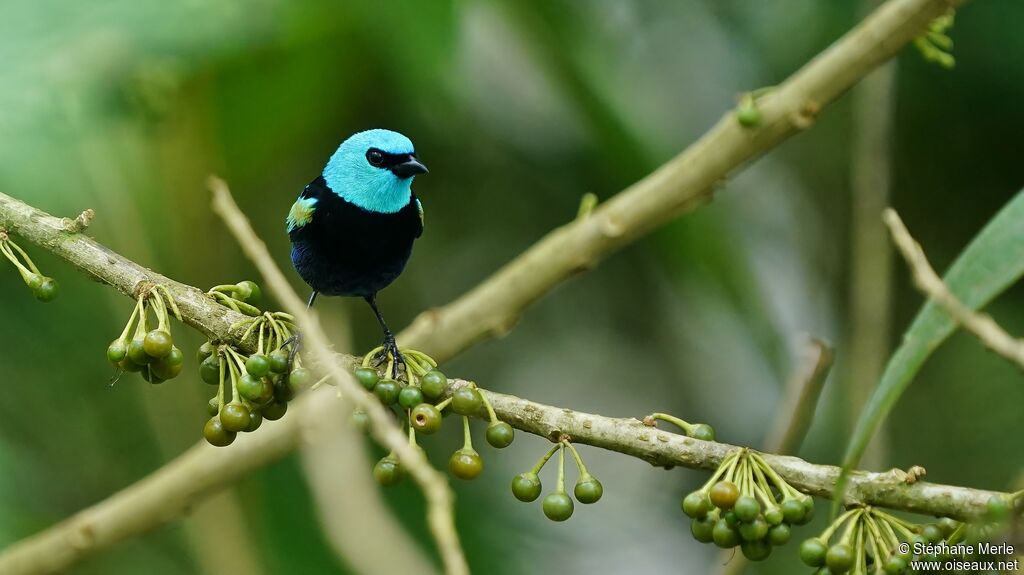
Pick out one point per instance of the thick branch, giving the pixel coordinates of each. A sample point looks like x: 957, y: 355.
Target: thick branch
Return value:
x: 679, y: 186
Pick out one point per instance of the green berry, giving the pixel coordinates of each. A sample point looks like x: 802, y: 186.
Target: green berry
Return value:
x: 209, y: 370
x: 300, y: 379
x: 426, y: 418
x: 361, y: 421
x: 526, y: 486
x: 702, y: 529
x: 793, y: 511
x: 703, y: 432
x: 588, y: 490
x: 130, y: 366
x: 137, y: 352
x: 746, y: 508
x: 249, y: 292
x: 216, y: 435
x: 169, y: 366
x: 387, y: 391
x: 34, y: 282
x: 997, y: 509
x: 731, y: 519
x: 774, y: 516
x: 808, y: 503
x: 466, y: 401
x: 410, y: 397
x: 812, y: 552
x: 932, y: 533
x: 257, y: 365
x: 213, y: 406
x: 387, y: 471
x: 47, y: 291
x: 279, y: 361
x: 724, y: 494
x: 557, y: 506
x: 725, y: 536
x: 895, y: 565
x: 948, y: 526
x: 205, y: 351
x: 148, y: 375
x: 500, y: 434
x: 274, y: 410
x: 756, y: 550
x: 779, y: 534
x: 157, y: 343
x: 434, y: 384
x: 117, y: 351
x: 465, y: 464
x: 747, y: 114
x: 696, y: 504
x: 839, y: 558
x: 755, y: 530
x: 255, y: 420
x: 254, y: 389
x: 235, y: 417
x: 367, y: 377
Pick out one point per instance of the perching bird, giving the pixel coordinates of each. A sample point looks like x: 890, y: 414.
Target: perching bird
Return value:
x: 353, y: 227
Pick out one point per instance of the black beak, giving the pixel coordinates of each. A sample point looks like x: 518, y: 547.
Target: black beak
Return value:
x: 409, y: 168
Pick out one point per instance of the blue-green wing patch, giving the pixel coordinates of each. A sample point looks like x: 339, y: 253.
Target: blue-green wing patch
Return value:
x: 301, y: 213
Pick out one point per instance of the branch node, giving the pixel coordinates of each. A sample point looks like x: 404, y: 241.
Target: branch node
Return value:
x: 79, y: 224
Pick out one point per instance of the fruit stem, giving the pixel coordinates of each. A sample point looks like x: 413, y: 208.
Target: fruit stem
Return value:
x: 785, y: 488
x: 467, y: 442
x: 859, y: 564
x: 412, y: 432
x: 25, y: 273
x: 543, y: 460
x: 686, y: 427
x: 24, y: 256
x: 851, y: 526
x: 131, y: 320
x: 373, y: 353
x: 764, y: 491
x: 170, y: 300
x: 220, y: 385
x: 827, y: 534
x: 723, y: 467
x: 443, y: 404
x: 490, y: 409
x: 560, y: 488
x: 584, y: 474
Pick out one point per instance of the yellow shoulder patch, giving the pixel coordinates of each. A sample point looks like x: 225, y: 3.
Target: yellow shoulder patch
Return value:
x: 301, y: 213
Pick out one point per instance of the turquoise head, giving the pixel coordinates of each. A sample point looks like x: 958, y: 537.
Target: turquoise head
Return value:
x: 374, y: 170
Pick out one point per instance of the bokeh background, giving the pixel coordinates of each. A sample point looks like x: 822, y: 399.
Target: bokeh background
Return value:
x: 519, y: 108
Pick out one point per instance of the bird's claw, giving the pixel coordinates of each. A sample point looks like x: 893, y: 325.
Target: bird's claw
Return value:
x: 390, y: 348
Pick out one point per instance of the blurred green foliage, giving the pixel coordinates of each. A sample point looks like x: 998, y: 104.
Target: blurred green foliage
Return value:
x: 519, y: 108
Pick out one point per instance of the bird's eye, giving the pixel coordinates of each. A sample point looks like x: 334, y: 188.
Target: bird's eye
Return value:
x: 375, y: 157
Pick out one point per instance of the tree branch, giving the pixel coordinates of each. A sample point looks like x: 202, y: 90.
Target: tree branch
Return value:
x: 679, y: 186
x: 980, y: 324
x: 492, y: 308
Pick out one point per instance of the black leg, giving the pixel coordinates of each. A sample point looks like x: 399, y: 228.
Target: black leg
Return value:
x: 296, y: 339
x: 389, y: 339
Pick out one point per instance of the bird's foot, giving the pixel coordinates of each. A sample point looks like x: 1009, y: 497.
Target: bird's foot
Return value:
x: 292, y: 343
x: 402, y: 363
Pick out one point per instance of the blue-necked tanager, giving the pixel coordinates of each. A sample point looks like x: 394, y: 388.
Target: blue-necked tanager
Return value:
x: 352, y: 228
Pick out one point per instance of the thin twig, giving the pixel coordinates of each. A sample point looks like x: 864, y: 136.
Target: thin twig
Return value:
x: 980, y: 324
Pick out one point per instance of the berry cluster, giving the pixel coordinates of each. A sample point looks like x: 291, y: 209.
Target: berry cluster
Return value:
x: 868, y: 540
x: 421, y: 397
x: 255, y: 387
x: 149, y: 352
x: 43, y: 287
x: 558, y: 506
x: 746, y: 503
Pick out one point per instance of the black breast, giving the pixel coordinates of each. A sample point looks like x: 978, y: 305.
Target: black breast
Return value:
x: 347, y: 250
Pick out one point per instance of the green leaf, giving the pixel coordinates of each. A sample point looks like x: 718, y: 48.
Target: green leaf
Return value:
x: 992, y: 262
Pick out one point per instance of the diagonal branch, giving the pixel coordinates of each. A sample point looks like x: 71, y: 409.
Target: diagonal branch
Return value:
x: 679, y: 186
x: 980, y: 324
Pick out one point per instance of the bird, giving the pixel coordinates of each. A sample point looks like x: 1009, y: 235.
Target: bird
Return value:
x: 352, y: 228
